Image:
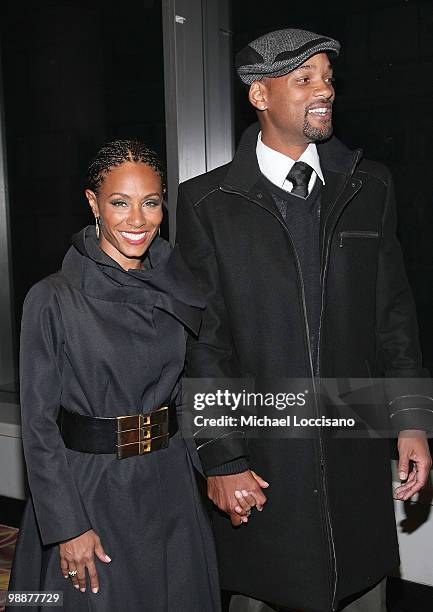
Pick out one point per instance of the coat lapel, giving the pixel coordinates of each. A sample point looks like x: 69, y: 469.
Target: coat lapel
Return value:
x: 244, y: 176
x: 334, y: 183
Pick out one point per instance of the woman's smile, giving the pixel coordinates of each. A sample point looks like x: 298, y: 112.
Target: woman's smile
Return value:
x: 136, y: 238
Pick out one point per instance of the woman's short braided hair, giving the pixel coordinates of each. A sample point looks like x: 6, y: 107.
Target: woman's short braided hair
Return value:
x: 116, y: 153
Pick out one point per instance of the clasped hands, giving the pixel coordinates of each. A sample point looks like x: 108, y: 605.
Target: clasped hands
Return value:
x: 237, y: 494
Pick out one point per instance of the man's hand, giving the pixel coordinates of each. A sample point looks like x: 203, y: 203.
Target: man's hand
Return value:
x: 77, y: 554
x: 236, y: 494
x: 412, y: 446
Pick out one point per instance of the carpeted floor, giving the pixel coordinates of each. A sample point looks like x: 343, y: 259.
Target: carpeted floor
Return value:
x: 8, y: 536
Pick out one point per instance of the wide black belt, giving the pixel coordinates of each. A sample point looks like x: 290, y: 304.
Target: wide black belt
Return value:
x: 124, y: 436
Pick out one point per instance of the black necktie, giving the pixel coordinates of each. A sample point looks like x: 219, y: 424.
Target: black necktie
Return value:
x: 300, y: 175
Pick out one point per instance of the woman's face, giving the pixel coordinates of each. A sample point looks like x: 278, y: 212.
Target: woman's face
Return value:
x: 129, y: 205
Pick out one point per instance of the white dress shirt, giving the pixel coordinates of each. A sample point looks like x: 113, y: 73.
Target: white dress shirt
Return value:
x: 276, y: 166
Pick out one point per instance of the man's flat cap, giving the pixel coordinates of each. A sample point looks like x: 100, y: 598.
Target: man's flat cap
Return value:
x: 280, y: 52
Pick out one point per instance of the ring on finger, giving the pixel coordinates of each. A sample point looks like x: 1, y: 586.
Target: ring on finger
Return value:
x: 72, y: 573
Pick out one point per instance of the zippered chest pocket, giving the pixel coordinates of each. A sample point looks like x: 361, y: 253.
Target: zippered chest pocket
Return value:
x: 345, y: 236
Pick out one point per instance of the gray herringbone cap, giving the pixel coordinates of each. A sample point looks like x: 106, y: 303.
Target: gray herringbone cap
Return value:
x: 280, y: 52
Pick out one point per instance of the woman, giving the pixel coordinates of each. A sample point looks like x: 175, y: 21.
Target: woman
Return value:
x: 115, y: 519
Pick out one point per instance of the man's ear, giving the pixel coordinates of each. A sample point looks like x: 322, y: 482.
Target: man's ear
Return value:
x: 93, y: 203
x: 257, y: 95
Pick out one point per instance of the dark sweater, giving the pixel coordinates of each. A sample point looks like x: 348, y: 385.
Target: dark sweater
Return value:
x: 302, y: 218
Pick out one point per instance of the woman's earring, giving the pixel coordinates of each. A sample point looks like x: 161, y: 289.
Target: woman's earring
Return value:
x: 97, y: 224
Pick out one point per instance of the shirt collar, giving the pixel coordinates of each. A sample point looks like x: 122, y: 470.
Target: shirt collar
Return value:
x: 275, y: 165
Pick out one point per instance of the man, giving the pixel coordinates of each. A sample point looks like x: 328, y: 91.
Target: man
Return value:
x: 294, y: 245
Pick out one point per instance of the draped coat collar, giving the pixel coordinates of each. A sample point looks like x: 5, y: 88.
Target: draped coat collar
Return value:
x: 165, y: 281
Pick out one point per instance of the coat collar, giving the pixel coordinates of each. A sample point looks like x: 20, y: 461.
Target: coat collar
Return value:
x: 244, y: 171
x: 166, y: 283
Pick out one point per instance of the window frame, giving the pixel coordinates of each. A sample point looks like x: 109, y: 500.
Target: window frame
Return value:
x: 198, y: 91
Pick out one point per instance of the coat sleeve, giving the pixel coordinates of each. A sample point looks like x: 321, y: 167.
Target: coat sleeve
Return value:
x: 59, y: 510
x: 212, y: 354
x: 408, y: 385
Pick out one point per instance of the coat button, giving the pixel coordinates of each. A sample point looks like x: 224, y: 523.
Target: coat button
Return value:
x: 353, y: 184
x: 260, y: 196
x: 315, y: 491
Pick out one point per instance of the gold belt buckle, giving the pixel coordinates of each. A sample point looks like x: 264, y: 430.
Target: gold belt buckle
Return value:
x: 134, y: 433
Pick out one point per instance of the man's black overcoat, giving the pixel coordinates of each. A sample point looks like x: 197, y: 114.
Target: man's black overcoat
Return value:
x: 328, y: 529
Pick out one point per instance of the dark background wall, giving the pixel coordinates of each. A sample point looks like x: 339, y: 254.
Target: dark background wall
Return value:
x: 75, y: 74
x: 384, y: 100
x: 79, y: 72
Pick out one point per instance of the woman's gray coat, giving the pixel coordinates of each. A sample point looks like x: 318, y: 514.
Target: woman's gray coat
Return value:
x: 102, y: 341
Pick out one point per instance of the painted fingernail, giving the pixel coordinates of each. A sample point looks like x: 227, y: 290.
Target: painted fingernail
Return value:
x: 238, y: 494
x: 107, y: 558
x: 244, y: 493
x: 65, y: 576
x: 83, y: 590
x: 403, y: 475
x: 95, y: 590
x: 76, y: 586
x: 245, y: 520
x: 238, y: 509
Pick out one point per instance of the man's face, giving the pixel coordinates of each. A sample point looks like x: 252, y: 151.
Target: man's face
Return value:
x: 298, y: 105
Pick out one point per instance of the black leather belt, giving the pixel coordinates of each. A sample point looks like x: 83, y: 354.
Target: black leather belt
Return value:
x: 124, y: 436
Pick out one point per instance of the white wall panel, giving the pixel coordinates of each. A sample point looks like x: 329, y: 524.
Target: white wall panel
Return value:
x: 12, y: 472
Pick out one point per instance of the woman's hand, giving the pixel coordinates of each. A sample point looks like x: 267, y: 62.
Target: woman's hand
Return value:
x: 77, y: 554
x: 222, y: 491
x: 247, y: 500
